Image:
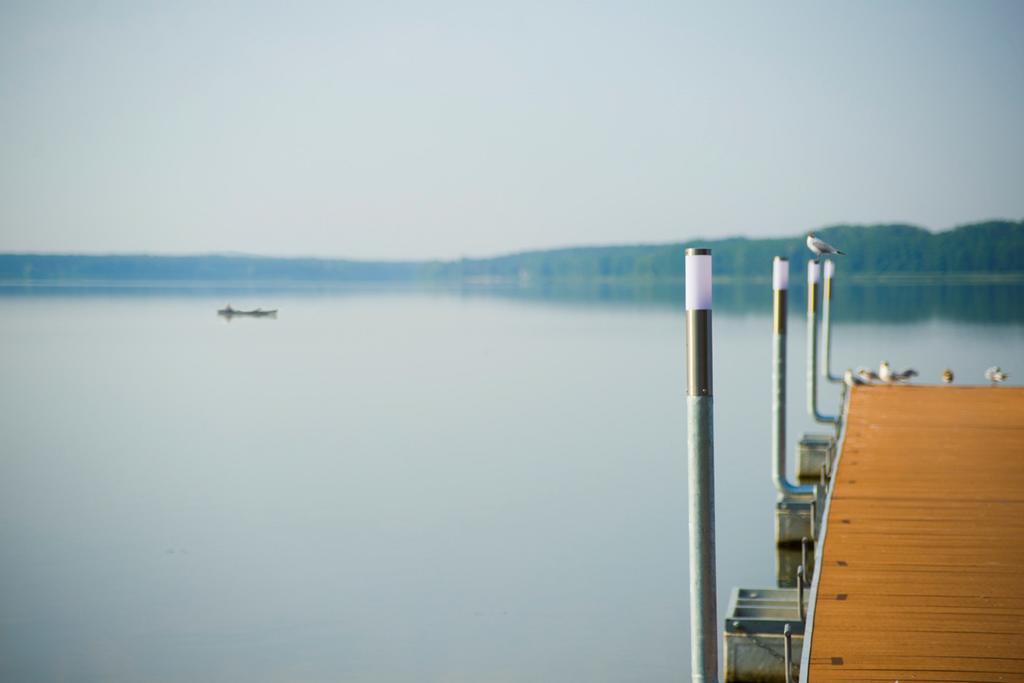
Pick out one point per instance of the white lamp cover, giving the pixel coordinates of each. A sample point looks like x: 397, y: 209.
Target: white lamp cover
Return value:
x: 813, y: 272
x: 698, y: 282
x: 780, y: 274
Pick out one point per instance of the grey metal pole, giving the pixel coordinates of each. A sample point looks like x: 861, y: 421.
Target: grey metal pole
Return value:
x: 700, y: 452
x: 787, y: 652
x: 826, y: 324
x: 780, y: 292
x: 813, y: 276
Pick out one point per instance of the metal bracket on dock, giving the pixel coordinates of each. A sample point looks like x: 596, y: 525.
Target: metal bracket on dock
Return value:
x: 754, y: 639
x: 796, y: 518
x: 790, y: 557
x: 813, y: 451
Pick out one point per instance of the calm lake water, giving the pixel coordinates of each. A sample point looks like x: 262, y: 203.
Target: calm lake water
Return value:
x: 398, y: 485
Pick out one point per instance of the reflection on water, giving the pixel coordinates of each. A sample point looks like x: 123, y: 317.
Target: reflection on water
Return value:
x: 893, y: 303
x: 890, y: 303
x: 395, y: 484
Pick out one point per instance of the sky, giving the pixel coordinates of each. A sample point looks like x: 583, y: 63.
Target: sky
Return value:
x: 450, y: 128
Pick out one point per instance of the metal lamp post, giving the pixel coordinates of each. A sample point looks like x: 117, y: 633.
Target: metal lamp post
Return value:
x: 700, y: 453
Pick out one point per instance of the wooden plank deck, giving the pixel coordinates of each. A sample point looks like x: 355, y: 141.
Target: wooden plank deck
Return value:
x: 922, y: 574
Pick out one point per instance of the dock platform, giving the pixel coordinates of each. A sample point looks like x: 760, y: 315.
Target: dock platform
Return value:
x: 922, y: 564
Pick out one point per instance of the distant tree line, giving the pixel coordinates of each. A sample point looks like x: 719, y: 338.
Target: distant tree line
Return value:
x: 993, y: 248
x: 209, y: 268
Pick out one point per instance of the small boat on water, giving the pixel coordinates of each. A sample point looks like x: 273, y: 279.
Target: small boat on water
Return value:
x: 229, y: 312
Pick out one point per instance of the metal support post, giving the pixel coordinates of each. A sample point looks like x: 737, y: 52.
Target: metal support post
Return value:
x: 800, y: 579
x: 813, y: 275
x: 700, y: 452
x: 780, y: 292
x: 787, y: 656
x: 826, y: 324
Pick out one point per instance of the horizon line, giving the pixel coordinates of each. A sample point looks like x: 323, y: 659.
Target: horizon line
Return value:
x: 519, y: 252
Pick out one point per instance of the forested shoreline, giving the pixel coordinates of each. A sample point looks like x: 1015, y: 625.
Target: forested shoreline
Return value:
x: 993, y: 249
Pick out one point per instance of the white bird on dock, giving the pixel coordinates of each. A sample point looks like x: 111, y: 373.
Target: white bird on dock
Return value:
x: 867, y: 375
x: 996, y: 375
x: 820, y: 247
x: 885, y: 372
x: 853, y: 380
x: 947, y: 376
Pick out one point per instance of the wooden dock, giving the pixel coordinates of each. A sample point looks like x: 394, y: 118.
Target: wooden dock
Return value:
x: 922, y: 566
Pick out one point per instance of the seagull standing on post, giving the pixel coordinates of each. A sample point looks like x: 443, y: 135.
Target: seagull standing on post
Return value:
x: 820, y: 247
